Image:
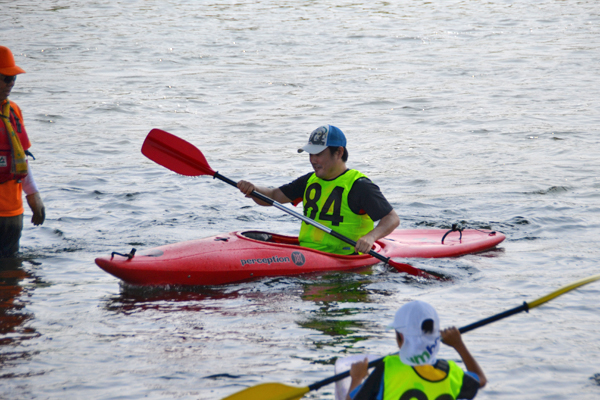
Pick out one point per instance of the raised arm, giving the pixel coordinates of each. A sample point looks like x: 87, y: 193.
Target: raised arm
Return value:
x: 452, y: 337
x: 358, y: 372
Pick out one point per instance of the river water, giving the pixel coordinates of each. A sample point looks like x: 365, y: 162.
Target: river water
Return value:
x: 483, y: 113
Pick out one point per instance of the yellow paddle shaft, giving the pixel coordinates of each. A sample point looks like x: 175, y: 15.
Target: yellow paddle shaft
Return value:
x: 563, y: 290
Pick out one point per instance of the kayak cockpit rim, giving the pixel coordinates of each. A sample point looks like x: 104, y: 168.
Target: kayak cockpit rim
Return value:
x: 278, y: 239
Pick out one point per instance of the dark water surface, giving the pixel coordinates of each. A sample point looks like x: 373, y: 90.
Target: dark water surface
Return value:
x: 481, y: 113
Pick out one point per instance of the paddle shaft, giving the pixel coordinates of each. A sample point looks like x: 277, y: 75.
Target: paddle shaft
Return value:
x: 309, y: 221
x: 494, y: 318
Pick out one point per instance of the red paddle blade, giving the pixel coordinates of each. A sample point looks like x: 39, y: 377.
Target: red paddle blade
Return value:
x: 175, y: 154
x: 409, y: 269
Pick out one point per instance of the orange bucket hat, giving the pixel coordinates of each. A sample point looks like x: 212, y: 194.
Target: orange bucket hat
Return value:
x: 7, y: 63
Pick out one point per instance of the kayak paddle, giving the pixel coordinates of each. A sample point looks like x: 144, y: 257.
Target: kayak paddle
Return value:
x: 279, y: 391
x: 184, y: 158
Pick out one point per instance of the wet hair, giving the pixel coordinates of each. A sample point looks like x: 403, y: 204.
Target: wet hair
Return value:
x: 333, y: 149
x: 427, y: 326
x: 399, y: 336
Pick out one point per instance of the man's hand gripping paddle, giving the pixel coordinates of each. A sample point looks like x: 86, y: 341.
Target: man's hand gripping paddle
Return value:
x: 280, y: 391
x: 184, y: 158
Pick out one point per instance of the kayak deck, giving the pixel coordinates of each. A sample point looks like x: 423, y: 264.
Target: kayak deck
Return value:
x: 426, y: 243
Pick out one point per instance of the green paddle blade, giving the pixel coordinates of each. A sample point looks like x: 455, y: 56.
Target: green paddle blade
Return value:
x: 270, y: 391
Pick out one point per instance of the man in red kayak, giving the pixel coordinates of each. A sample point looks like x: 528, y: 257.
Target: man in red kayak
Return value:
x: 342, y: 199
x: 15, y: 173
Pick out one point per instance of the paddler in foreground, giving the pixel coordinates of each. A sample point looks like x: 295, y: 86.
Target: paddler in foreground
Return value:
x: 416, y: 373
x: 342, y: 199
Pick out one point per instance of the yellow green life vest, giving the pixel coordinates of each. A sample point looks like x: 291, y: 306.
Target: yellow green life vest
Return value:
x: 327, y: 203
x: 403, y: 382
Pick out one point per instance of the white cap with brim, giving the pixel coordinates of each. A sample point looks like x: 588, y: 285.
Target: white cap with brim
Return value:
x: 323, y: 137
x: 419, y: 347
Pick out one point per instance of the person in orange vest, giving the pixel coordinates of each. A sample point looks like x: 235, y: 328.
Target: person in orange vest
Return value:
x: 416, y: 372
x: 15, y: 172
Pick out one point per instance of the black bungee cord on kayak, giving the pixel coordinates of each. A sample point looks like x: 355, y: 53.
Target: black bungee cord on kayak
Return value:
x: 458, y: 228
x: 455, y: 228
x: 129, y: 255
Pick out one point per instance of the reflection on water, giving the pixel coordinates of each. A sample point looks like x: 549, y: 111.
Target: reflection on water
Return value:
x: 133, y: 299
x: 341, y: 330
x: 13, y: 316
x: 325, y: 291
x: 318, y: 288
x: 337, y: 287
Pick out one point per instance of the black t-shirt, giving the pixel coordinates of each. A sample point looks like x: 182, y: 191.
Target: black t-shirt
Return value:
x: 364, y: 196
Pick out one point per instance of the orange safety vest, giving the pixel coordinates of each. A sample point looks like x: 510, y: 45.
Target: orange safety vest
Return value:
x: 11, y: 190
x: 16, y: 120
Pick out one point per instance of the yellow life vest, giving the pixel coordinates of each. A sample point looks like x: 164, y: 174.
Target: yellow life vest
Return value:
x: 327, y: 203
x: 403, y: 382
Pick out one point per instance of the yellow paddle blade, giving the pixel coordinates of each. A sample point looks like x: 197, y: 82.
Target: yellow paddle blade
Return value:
x: 563, y: 290
x: 270, y: 391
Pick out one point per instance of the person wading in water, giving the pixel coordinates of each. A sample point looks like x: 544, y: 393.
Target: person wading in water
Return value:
x: 15, y: 172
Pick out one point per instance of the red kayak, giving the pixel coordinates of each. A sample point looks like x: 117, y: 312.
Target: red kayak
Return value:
x: 239, y: 256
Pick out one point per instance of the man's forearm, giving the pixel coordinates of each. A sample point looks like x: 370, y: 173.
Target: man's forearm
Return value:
x: 386, y: 225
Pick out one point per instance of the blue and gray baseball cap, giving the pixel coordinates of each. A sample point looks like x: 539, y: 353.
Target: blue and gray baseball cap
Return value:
x: 323, y: 137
